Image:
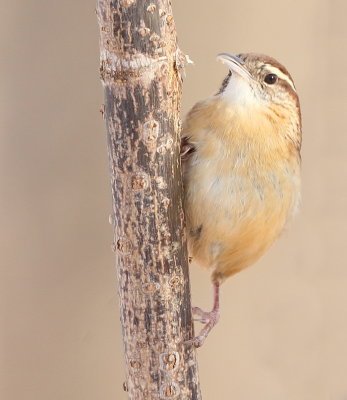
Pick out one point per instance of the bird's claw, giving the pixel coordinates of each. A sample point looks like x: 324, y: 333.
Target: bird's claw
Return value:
x: 204, y: 315
x: 196, y: 342
x: 210, y: 319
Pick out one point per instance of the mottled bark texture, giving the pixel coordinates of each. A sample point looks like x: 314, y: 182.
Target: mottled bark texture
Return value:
x: 140, y: 71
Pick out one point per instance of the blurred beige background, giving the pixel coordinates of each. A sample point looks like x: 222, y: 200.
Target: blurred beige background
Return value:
x: 283, y: 330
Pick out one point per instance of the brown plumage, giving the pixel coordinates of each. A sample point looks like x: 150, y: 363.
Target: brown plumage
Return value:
x: 241, y: 158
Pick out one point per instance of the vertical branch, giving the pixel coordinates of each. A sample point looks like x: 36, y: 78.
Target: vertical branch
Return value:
x: 140, y: 64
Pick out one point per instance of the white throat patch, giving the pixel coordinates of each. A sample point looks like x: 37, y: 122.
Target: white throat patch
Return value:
x: 239, y: 92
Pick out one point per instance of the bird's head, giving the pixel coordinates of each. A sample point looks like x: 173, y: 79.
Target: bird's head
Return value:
x: 257, y: 80
x: 258, y: 85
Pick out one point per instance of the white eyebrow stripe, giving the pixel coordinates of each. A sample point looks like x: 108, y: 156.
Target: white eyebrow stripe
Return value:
x: 280, y: 74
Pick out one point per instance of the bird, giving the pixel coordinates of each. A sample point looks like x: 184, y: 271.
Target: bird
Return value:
x: 240, y: 152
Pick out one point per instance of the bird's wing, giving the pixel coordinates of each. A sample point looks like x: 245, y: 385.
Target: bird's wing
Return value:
x: 187, y: 148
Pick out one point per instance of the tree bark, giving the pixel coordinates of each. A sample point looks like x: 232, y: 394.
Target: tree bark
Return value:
x: 141, y: 74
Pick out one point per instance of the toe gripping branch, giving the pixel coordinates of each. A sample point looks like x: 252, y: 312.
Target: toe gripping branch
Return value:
x: 209, y: 318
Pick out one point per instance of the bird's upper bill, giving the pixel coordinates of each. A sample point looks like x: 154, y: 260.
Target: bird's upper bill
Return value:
x: 235, y: 64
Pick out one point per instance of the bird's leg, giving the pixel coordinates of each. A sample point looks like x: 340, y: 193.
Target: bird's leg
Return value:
x: 210, y: 318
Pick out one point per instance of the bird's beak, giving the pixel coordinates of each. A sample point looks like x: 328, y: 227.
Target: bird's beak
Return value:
x: 235, y: 64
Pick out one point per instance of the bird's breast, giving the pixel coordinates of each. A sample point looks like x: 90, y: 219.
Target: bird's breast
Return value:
x: 238, y: 198
x: 242, y: 183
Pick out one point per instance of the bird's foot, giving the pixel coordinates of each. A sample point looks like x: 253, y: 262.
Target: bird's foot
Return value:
x: 210, y: 319
x: 204, y: 316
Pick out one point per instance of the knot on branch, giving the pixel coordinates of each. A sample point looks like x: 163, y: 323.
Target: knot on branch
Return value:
x: 123, y: 68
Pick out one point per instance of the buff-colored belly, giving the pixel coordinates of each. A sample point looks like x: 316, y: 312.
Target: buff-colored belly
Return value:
x: 232, y: 220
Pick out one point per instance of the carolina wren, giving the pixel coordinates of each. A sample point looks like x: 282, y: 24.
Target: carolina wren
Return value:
x: 241, y: 163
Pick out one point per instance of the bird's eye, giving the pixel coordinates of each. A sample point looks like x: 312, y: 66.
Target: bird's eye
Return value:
x: 270, y: 79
